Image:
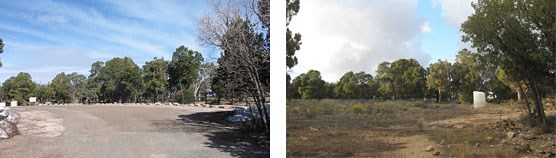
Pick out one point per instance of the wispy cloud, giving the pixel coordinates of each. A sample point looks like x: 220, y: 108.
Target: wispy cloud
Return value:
x: 426, y: 27
x: 70, y: 35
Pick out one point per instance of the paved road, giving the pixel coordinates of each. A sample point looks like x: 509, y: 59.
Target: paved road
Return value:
x: 127, y: 131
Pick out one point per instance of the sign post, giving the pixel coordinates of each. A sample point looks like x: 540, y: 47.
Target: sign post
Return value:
x: 32, y: 100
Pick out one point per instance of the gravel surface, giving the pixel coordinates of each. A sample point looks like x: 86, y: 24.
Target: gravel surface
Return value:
x: 127, y: 131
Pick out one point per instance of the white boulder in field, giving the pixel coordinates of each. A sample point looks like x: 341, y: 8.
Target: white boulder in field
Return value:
x: 2, y: 104
x: 14, y: 103
x: 479, y: 99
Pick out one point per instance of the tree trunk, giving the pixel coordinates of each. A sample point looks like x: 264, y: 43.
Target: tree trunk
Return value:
x: 439, y: 95
x: 518, y: 94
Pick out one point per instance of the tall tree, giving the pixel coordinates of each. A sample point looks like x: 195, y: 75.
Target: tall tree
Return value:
x: 293, y: 40
x: 346, y: 87
x: 439, y: 77
x: 43, y: 93
x: 94, y: 83
x: 245, y: 48
x: 155, y: 75
x: 61, y: 86
x: 517, y: 33
x: 122, y: 80
x: 408, y: 78
x: 204, y: 79
x: 19, y: 88
x: 384, y: 80
x: 310, y: 85
x: 77, y: 85
x: 183, y: 72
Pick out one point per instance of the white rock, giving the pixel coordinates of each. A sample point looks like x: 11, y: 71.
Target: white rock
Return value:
x: 429, y: 148
x: 8, y: 128
x: 4, y: 113
x: 12, y: 118
x: 3, y: 134
x: 511, y: 135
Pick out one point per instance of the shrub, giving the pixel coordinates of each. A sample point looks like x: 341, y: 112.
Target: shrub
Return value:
x: 357, y: 108
x: 418, y: 104
x: 421, y: 123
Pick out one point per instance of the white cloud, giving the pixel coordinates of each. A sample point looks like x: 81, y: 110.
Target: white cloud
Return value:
x: 455, y: 12
x: 52, y: 19
x: 426, y: 27
x: 342, y: 36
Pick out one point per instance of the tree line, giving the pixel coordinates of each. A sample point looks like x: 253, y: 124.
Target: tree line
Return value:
x: 120, y: 80
x: 407, y: 79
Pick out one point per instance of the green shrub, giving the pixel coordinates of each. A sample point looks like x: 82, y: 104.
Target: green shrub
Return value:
x: 357, y: 108
x: 418, y: 104
x: 421, y: 123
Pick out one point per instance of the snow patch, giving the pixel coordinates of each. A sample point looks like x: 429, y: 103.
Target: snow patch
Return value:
x: 241, y: 115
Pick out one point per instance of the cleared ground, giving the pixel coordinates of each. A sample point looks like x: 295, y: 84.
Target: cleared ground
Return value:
x: 363, y: 128
x: 128, y: 131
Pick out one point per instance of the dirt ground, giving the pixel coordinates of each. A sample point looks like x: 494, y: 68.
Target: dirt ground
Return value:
x: 407, y: 130
x: 128, y: 131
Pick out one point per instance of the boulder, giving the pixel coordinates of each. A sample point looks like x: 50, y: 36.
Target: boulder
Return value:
x: 529, y: 137
x: 3, y: 113
x: 313, y: 129
x: 511, y: 135
x: 3, y: 134
x: 429, y: 148
x: 12, y: 118
x: 436, y: 153
x: 8, y: 128
x: 304, y: 138
x: 443, y: 142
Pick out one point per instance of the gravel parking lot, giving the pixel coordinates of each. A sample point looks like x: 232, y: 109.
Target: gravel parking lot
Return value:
x: 127, y: 131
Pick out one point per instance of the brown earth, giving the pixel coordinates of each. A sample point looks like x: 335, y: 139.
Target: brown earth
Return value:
x: 396, y: 133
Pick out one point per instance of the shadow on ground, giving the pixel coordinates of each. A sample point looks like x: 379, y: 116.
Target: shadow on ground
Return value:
x: 222, y: 135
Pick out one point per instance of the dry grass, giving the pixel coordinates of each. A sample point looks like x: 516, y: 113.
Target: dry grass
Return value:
x: 359, y: 127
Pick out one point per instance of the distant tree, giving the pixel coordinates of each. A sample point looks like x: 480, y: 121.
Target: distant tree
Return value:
x: 311, y: 86
x: 61, y: 85
x: 439, y: 77
x: 363, y: 90
x: 155, y: 75
x: 19, y: 88
x: 77, y: 85
x: 122, y: 80
x: 384, y: 80
x: 474, y: 78
x: 204, y: 79
x: 94, y: 83
x: 183, y: 71
x: 408, y: 78
x: 43, y: 93
x: 346, y: 87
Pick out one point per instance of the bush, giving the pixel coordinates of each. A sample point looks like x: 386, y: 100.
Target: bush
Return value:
x: 421, y: 123
x: 418, y: 104
x: 357, y: 108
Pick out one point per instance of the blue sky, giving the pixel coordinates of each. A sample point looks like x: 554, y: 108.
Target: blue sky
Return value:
x: 48, y: 37
x: 357, y: 35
